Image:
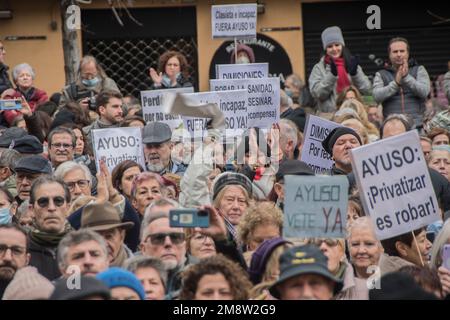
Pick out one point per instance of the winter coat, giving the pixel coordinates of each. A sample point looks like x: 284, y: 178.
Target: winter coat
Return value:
x: 354, y: 288
x: 182, y: 82
x: 447, y: 85
x: 34, y: 97
x: 5, y: 83
x: 409, y: 97
x: 44, y: 258
x: 322, y: 84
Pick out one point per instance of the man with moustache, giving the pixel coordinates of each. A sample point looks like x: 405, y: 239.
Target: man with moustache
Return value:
x: 27, y: 170
x: 104, y: 219
x: 13, y: 253
x: 84, y: 252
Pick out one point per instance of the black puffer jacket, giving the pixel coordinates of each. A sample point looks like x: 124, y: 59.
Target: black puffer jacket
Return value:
x: 5, y: 83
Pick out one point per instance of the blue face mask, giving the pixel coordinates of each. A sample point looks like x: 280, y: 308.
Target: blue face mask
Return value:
x: 91, y: 82
x: 288, y: 92
x: 5, y: 216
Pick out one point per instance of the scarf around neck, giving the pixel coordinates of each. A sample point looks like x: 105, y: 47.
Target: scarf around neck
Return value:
x: 343, y: 80
x: 49, y: 239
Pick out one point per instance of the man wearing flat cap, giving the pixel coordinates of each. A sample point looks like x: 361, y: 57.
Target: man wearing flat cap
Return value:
x: 338, y: 144
x: 304, y: 275
x: 158, y: 149
x: 104, y: 218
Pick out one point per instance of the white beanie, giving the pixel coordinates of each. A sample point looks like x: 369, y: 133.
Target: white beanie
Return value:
x: 28, y: 284
x: 332, y: 35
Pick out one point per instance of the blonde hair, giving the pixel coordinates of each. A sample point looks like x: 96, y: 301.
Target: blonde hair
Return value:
x: 442, y: 238
x: 358, y: 127
x: 221, y: 194
x: 362, y: 113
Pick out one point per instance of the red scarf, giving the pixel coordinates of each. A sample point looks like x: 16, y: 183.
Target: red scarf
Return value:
x: 343, y: 81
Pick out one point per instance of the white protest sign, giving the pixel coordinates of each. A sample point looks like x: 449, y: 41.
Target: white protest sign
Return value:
x: 234, y: 21
x: 315, y: 206
x: 115, y: 145
x: 395, y: 185
x: 152, y: 106
x: 242, y: 71
x: 233, y: 104
x: 313, y: 154
x: 263, y: 100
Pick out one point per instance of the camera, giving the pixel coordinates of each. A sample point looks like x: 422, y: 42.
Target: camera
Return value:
x: 188, y: 218
x: 92, y: 105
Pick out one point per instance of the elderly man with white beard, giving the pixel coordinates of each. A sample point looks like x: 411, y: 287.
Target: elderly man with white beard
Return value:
x: 158, y: 148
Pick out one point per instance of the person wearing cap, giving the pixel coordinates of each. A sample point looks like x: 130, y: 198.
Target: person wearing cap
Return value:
x: 9, y: 135
x: 338, y: 144
x: 245, y: 54
x: 158, y: 149
x: 27, y: 170
x: 27, y: 145
x: 8, y: 160
x: 287, y: 167
x: 403, y: 85
x: 61, y: 145
x: 82, y: 251
x: 90, y: 288
x: 335, y: 71
x: 304, y: 275
x: 123, y: 284
x: 50, y: 200
x: 14, y: 253
x: 104, y: 218
x: 109, y: 109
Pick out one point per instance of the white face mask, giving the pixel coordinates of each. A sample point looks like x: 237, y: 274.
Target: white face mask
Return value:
x: 243, y: 59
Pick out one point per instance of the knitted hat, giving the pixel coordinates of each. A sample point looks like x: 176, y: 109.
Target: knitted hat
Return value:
x: 330, y: 140
x: 332, y: 35
x: 117, y: 277
x: 231, y: 178
x: 28, y: 284
x: 242, y: 47
x: 261, y: 256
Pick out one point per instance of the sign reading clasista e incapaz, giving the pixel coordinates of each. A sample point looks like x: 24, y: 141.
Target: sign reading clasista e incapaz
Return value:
x: 394, y: 184
x: 234, y: 21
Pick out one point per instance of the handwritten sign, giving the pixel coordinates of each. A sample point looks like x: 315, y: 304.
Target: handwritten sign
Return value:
x: 236, y: 20
x: 242, y: 71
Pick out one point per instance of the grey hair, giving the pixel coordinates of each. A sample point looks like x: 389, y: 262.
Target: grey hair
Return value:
x: 442, y: 238
x: 285, y: 100
x: 288, y: 131
x: 149, y: 218
x: 77, y: 237
x: 134, y: 263
x: 22, y: 209
x: 160, y: 203
x: 362, y: 223
x: 9, y: 158
x: 68, y: 166
x: 18, y: 68
x: 296, y: 81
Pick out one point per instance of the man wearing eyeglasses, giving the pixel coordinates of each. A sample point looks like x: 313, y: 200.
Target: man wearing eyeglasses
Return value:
x: 5, y: 83
x: 13, y: 253
x: 159, y: 240
x: 61, y: 145
x: 49, y: 200
x: 27, y: 170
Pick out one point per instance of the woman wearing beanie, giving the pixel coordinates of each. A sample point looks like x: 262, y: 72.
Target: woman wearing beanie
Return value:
x: 335, y: 71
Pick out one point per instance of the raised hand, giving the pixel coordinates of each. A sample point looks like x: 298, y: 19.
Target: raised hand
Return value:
x: 156, y: 78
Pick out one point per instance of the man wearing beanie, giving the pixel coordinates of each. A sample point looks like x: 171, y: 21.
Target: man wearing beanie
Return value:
x: 123, y: 284
x: 335, y: 71
x: 338, y: 144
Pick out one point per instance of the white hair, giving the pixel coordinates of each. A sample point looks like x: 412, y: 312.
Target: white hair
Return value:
x: 68, y: 166
x: 23, y: 66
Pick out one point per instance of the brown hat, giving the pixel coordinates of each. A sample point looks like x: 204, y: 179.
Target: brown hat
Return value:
x: 103, y: 216
x: 28, y: 284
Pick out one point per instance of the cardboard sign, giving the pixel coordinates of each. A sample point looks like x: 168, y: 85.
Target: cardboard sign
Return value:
x: 236, y: 20
x: 315, y: 206
x: 152, y: 106
x: 115, y: 145
x: 263, y: 100
x: 395, y: 185
x: 313, y: 154
x: 242, y: 71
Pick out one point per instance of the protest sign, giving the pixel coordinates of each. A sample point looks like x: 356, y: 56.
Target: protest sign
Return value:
x: 115, y: 145
x: 315, y: 206
x: 152, y: 106
x: 395, y: 185
x: 263, y: 100
x: 234, y: 21
x: 242, y: 71
x: 313, y: 154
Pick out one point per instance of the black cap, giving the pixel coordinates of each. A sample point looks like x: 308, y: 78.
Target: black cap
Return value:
x: 27, y: 144
x: 34, y: 164
x: 332, y: 137
x: 307, y: 259
x: 293, y: 167
x: 11, y: 134
x: 156, y: 132
x: 88, y: 287
x: 298, y: 116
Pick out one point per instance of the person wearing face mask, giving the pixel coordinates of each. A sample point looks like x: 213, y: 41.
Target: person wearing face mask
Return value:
x: 335, y: 71
x: 7, y: 206
x: 245, y: 54
x: 171, y: 73
x: 90, y: 80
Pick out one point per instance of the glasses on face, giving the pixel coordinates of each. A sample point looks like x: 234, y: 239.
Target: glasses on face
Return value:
x: 158, y: 239
x: 16, y: 251
x: 329, y: 242
x: 62, y: 145
x: 45, y: 201
x: 20, y: 176
x: 82, y: 184
x: 2, y: 49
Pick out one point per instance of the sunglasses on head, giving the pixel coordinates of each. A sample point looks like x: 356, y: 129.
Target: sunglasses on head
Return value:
x: 45, y: 201
x: 159, y: 238
x: 329, y: 242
